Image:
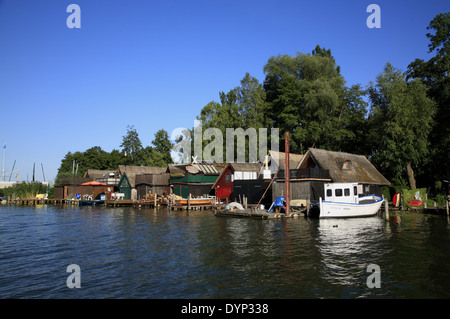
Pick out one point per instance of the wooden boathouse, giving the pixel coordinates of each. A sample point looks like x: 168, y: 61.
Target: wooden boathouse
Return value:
x: 234, y: 180
x: 318, y: 167
x: 192, y: 179
x: 128, y: 174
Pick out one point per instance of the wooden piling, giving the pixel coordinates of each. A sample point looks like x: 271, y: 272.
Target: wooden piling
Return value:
x: 447, y: 207
x: 386, y: 209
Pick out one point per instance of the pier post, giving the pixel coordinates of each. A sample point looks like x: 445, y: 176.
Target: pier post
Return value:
x: 386, y: 209
x: 447, y: 207
x: 308, y: 203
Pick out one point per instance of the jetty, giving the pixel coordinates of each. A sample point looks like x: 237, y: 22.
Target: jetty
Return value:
x: 35, y: 201
x: 249, y: 213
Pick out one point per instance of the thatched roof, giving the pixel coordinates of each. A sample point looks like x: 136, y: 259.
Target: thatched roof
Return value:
x: 294, y: 159
x: 204, y: 168
x: 98, y: 173
x: 247, y: 167
x: 132, y: 171
x: 239, y: 167
x: 176, y: 169
x: 344, y: 167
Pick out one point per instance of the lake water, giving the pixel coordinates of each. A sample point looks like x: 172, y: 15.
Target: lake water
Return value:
x: 130, y: 253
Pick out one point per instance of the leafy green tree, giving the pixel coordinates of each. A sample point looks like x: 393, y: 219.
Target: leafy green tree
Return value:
x: 251, y: 100
x: 132, y: 147
x: 306, y: 95
x: 154, y: 158
x: 163, y: 146
x: 435, y: 73
x: 76, y: 164
x: 400, y: 118
x: 242, y: 107
x: 68, y: 166
x: 115, y: 159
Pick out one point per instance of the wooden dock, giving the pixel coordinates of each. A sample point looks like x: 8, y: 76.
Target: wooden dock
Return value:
x: 119, y: 202
x: 35, y: 201
x: 250, y: 213
x: 192, y: 207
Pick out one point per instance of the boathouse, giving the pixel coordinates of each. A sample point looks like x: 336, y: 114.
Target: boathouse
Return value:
x: 127, y: 182
x: 66, y: 187
x: 346, y: 168
x: 239, y: 180
x: 318, y: 167
x: 276, y: 159
x: 152, y: 183
x: 82, y: 187
x: 108, y: 177
x: 192, y: 179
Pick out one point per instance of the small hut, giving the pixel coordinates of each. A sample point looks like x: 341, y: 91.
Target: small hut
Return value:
x: 108, y: 177
x: 152, y: 183
x: 127, y: 183
x: 192, y: 179
x: 238, y: 180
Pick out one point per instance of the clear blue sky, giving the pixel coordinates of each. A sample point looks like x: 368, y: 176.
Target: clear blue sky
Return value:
x: 155, y: 64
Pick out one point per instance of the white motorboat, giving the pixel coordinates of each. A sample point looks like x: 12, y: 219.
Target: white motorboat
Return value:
x: 346, y: 200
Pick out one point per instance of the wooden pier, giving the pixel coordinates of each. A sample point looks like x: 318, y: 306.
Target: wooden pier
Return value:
x: 119, y: 202
x: 35, y: 201
x: 191, y: 207
x: 251, y: 213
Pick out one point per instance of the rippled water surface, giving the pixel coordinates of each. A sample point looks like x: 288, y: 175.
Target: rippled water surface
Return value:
x: 128, y: 253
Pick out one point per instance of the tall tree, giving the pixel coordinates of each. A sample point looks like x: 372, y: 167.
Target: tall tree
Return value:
x: 251, y: 99
x: 435, y: 73
x: 76, y: 164
x: 400, y: 118
x: 162, y: 146
x: 132, y: 147
x: 242, y: 107
x: 307, y: 96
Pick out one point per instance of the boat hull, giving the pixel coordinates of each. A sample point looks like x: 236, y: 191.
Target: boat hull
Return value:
x: 193, y: 201
x: 346, y: 210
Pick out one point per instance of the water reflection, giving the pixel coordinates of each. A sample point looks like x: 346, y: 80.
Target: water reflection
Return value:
x: 128, y: 253
x: 347, y: 247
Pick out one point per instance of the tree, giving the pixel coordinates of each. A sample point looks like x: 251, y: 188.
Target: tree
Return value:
x: 132, y: 147
x: 163, y: 146
x: 400, y: 118
x: 435, y: 73
x: 306, y: 95
x: 242, y: 107
x: 251, y: 100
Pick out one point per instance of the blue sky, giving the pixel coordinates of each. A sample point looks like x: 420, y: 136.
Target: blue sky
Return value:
x: 155, y: 64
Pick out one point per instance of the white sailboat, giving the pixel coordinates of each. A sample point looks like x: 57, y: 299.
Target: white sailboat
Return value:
x: 346, y: 200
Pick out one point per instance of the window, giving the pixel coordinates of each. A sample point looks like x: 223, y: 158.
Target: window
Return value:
x: 228, y: 177
x: 346, y: 191
x: 338, y: 192
x: 329, y: 193
x: 347, y: 165
x: 355, y: 190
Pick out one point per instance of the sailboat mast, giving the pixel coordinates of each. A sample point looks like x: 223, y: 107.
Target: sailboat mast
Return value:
x: 4, y: 155
x: 286, y: 172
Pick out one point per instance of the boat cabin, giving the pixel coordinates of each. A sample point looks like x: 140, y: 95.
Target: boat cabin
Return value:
x: 343, y: 192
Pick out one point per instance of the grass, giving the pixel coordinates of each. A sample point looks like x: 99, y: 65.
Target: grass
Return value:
x: 26, y: 190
